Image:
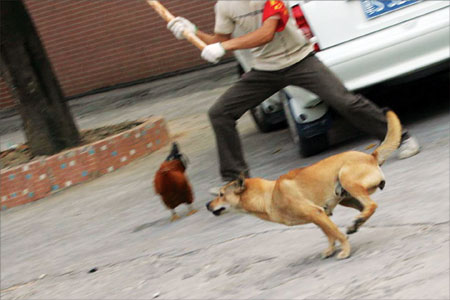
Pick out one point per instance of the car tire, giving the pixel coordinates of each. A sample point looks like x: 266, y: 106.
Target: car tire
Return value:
x: 260, y: 118
x: 313, y: 145
x: 307, y: 145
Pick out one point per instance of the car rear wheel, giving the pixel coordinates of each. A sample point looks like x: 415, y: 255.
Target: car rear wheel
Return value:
x: 307, y: 144
x: 313, y: 145
x: 261, y: 119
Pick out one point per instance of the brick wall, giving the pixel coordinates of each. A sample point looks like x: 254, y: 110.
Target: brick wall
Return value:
x: 94, y: 44
x: 45, y: 175
x: 6, y: 98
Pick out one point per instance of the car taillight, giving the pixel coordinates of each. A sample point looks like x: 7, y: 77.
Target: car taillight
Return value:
x: 302, y: 23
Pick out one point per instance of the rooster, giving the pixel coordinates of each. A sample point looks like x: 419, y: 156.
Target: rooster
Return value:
x: 172, y: 184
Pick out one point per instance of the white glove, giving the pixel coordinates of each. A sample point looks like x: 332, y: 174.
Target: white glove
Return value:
x: 179, y: 25
x: 213, y: 53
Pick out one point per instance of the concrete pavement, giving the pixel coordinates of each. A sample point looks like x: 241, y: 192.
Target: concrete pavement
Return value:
x: 117, y: 224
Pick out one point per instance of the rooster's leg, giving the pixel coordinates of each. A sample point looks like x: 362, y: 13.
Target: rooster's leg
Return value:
x: 174, y: 216
x: 191, y: 210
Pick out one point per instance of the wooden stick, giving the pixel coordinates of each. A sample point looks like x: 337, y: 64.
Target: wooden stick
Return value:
x: 167, y: 16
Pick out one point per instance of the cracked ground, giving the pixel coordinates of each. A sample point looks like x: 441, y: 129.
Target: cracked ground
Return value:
x: 111, y: 238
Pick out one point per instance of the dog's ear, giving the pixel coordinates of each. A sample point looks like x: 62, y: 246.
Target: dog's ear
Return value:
x: 240, y: 184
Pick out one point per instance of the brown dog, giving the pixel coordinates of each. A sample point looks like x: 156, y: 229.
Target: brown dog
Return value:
x: 310, y: 194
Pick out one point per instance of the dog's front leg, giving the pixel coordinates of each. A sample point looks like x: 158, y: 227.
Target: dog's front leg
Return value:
x: 330, y: 205
x: 319, y: 217
x: 331, y: 248
x: 316, y: 214
x: 263, y: 216
x: 293, y: 208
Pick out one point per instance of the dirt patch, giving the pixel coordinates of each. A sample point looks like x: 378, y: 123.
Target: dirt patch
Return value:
x: 22, y: 153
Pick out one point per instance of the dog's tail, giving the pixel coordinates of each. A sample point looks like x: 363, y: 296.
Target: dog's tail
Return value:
x: 392, y: 139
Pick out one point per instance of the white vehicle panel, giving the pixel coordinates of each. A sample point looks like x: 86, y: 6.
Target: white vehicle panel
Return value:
x: 392, y: 52
x: 335, y: 22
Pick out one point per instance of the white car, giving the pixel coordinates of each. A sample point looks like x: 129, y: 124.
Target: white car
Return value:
x: 364, y: 42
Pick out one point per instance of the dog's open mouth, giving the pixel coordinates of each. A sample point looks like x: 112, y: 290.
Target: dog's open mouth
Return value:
x: 218, y: 211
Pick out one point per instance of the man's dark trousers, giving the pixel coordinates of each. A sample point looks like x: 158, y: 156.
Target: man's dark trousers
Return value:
x: 256, y: 86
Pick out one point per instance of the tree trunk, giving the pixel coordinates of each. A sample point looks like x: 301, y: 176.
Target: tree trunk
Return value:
x: 48, y: 124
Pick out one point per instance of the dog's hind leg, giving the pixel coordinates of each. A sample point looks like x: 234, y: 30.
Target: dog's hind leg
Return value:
x: 341, y: 195
x: 363, y: 203
x: 352, y: 203
x: 359, y: 182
